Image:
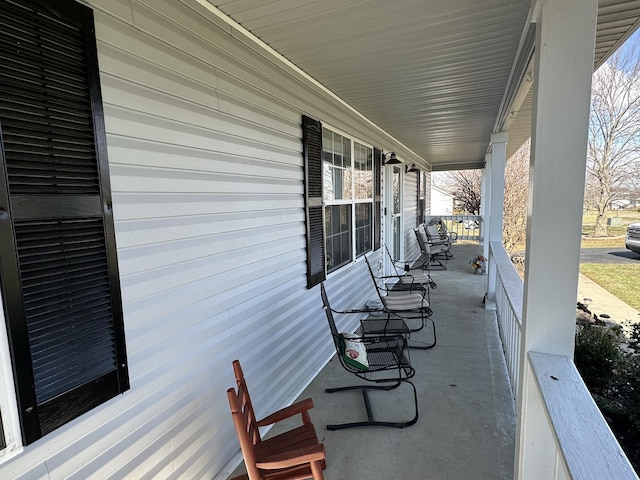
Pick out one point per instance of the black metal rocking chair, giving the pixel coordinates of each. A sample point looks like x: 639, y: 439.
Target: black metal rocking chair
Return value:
x: 407, y: 275
x: 430, y: 253
x: 403, y: 304
x: 387, y: 366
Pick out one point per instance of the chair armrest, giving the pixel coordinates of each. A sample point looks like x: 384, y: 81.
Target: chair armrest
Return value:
x: 439, y: 241
x: 372, y: 339
x: 297, y: 456
x: 389, y: 276
x: 286, y: 412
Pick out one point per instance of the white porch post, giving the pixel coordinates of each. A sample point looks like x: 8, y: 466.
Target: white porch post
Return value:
x: 496, y: 202
x: 565, y: 36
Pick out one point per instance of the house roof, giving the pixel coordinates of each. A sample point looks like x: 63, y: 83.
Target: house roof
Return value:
x: 439, y: 75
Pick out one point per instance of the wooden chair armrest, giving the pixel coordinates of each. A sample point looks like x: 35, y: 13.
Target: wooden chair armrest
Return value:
x: 286, y: 412
x: 297, y: 456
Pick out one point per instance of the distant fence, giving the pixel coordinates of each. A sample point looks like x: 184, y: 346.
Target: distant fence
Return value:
x: 467, y: 227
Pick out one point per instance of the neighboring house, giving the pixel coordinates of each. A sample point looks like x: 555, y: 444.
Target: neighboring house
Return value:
x: 620, y: 204
x: 173, y: 191
x: 441, y: 202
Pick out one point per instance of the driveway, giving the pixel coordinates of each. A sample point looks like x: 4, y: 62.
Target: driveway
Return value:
x: 609, y: 255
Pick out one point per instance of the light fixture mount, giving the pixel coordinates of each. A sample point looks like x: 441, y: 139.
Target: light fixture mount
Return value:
x: 393, y: 160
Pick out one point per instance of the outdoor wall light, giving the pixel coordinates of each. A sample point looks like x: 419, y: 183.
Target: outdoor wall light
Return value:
x: 411, y: 168
x: 393, y: 160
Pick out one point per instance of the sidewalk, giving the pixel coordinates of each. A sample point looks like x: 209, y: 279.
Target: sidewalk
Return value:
x: 603, y: 302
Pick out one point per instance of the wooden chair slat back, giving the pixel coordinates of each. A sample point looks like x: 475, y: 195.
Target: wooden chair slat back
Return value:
x: 238, y: 410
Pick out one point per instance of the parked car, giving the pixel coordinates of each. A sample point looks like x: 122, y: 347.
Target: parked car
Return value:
x: 632, y: 241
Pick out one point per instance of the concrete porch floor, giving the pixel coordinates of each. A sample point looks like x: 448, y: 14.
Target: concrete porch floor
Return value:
x: 466, y: 427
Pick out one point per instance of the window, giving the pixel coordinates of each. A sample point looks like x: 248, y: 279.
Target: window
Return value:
x: 348, y: 198
x: 58, y: 266
x: 342, y: 199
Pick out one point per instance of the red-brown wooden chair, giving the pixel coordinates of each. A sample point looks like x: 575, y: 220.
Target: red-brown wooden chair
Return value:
x: 293, y: 455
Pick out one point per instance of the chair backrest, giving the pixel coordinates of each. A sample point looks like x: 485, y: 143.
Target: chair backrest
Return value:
x: 374, y: 279
x: 337, y: 338
x: 421, y: 236
x: 393, y: 262
x: 432, y: 232
x: 244, y: 420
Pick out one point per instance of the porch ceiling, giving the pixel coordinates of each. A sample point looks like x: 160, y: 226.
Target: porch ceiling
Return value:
x: 437, y: 74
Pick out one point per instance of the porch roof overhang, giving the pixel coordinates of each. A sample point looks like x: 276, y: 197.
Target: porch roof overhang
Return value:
x: 439, y: 76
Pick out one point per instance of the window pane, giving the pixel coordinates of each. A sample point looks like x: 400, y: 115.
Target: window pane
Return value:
x: 363, y: 171
x: 346, y: 161
x: 396, y: 190
x: 336, y: 166
x: 363, y: 228
x: 338, y: 231
x: 396, y: 236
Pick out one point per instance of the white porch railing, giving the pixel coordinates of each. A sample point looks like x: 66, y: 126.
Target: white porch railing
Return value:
x: 467, y: 227
x: 509, y: 288
x: 570, y: 439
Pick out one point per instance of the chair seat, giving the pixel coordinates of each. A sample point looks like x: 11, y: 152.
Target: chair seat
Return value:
x: 386, y: 354
x: 415, y: 277
x: 435, y: 249
x: 403, y: 301
x: 301, y: 473
x: 384, y: 326
x: 299, y: 437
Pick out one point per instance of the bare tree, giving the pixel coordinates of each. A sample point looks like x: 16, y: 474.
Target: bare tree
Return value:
x: 465, y: 185
x: 516, y: 192
x: 466, y: 188
x: 614, y: 131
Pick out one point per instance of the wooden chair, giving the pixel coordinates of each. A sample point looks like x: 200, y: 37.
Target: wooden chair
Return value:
x: 293, y: 455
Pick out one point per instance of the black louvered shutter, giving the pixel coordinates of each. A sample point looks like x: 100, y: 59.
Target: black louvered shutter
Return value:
x: 377, y: 198
x: 312, y: 151
x: 58, y: 266
x: 420, y: 200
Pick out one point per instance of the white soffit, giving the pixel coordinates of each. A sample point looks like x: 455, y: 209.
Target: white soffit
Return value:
x: 432, y: 73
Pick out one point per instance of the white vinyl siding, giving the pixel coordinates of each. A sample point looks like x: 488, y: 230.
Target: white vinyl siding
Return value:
x: 205, y: 155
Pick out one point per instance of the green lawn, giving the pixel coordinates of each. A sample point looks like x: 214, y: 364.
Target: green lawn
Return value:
x: 616, y: 232
x: 623, y: 281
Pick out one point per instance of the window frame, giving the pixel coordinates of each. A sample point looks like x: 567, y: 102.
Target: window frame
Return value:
x: 351, y: 202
